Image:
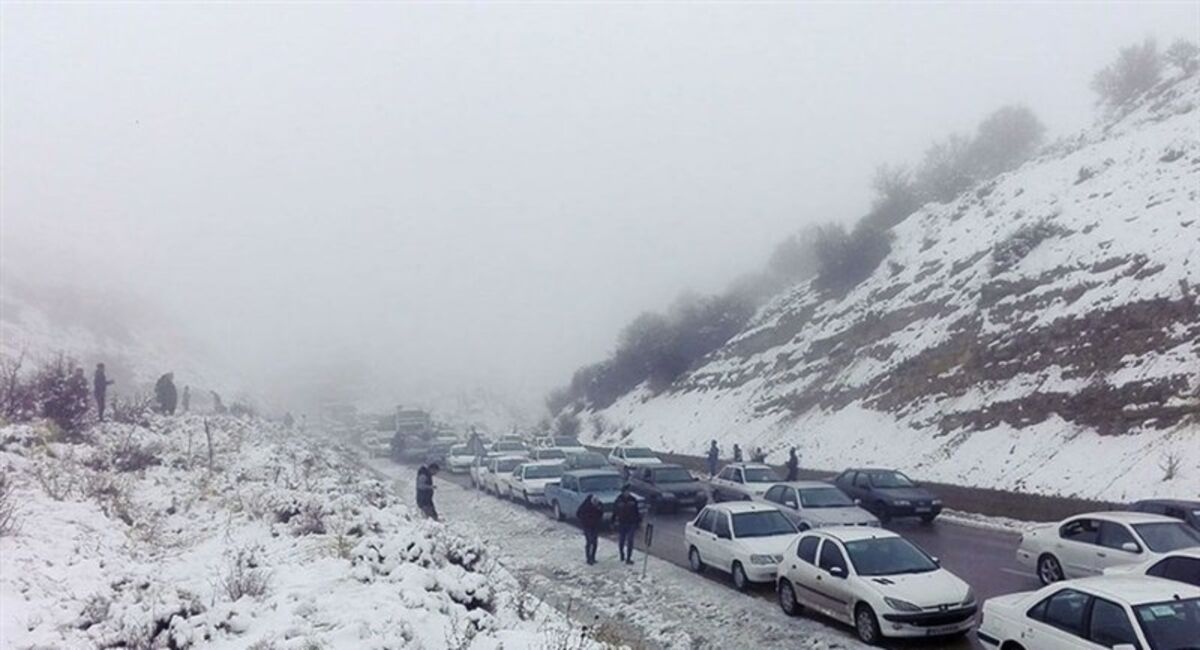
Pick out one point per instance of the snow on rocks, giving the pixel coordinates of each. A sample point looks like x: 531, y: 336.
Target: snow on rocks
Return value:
x: 141, y: 538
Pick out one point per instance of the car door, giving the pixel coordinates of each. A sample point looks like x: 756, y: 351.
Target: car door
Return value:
x: 802, y: 571
x: 1059, y: 622
x: 1109, y: 625
x: 845, y: 480
x: 1117, y: 546
x: 721, y: 555
x: 702, y: 530
x: 791, y: 506
x: 737, y: 483
x: 830, y: 588
x: 1077, y: 545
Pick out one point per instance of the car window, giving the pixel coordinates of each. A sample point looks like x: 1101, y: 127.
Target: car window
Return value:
x: 726, y: 474
x: 825, y: 497
x: 705, y: 520
x: 1109, y: 625
x: 1183, y: 569
x: 1114, y: 535
x: 860, y: 480
x: 721, y: 528
x: 1175, y: 511
x: 1169, y: 536
x: 807, y: 548
x: 888, y: 556
x: 647, y: 476
x: 1065, y: 610
x: 1084, y: 531
x: 774, y: 495
x: 736, y: 475
x: 1174, y: 625
x: 831, y: 556
x: 762, y: 524
x: 568, y: 483
x: 789, y: 499
x: 845, y: 477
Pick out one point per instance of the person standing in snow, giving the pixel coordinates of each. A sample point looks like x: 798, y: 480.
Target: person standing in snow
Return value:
x: 627, y: 516
x: 793, y: 465
x: 758, y: 456
x: 714, y: 455
x: 186, y: 401
x: 425, y: 490
x: 737, y: 453
x: 100, y: 384
x: 164, y: 392
x: 590, y: 514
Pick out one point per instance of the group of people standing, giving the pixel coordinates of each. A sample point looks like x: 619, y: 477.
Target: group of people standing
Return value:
x: 165, y: 394
x: 714, y: 459
x: 626, y: 516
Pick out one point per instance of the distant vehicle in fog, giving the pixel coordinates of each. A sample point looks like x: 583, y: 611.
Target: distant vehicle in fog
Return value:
x: 668, y: 487
x: 742, y: 482
x: 479, y: 467
x: 746, y: 540
x: 586, y: 460
x: 889, y: 494
x: 1181, y: 566
x: 509, y: 446
x: 627, y: 459
x: 549, y: 453
x: 459, y: 459
x: 566, y: 443
x: 815, y: 504
x: 1086, y: 545
x: 493, y: 476
x: 1183, y: 510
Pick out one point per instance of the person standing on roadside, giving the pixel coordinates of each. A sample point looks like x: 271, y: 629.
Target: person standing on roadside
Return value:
x: 164, y: 393
x: 737, y: 453
x: 793, y: 465
x: 590, y: 514
x: 100, y: 384
x: 714, y: 455
x: 627, y: 516
x: 425, y: 490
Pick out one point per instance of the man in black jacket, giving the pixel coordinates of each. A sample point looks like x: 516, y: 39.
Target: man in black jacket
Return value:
x: 627, y: 516
x: 100, y: 384
x: 425, y: 490
x: 590, y: 514
x: 793, y: 465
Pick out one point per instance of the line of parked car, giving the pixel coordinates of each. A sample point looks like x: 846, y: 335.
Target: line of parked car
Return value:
x: 1118, y: 580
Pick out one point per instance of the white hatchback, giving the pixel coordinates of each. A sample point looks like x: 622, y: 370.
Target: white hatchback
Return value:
x: 1087, y: 545
x: 745, y: 540
x: 1118, y: 612
x: 876, y: 581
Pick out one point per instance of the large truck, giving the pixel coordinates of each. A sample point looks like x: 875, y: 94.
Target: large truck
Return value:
x: 414, y: 435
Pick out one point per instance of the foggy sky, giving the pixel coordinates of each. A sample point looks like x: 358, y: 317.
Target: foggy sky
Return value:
x: 449, y: 195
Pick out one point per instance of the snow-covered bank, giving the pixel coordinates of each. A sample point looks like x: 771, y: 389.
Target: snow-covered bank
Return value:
x: 143, y: 539
x: 670, y: 608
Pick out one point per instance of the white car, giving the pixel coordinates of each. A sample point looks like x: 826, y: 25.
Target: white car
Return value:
x: 378, y: 443
x: 491, y: 476
x: 549, y: 453
x: 1086, y: 545
x: 1183, y: 566
x: 479, y: 467
x: 459, y: 459
x: 813, y: 504
x: 566, y: 443
x: 1117, y: 612
x: 528, y: 481
x: 630, y: 458
x: 876, y: 581
x: 742, y: 482
x: 745, y: 540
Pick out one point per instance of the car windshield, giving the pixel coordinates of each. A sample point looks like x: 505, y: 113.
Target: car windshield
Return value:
x: 508, y: 464
x: 600, y: 484
x: 1168, y: 536
x: 588, y: 460
x: 829, y: 497
x: 762, y: 524
x: 543, y: 471
x: 891, y: 480
x: 1172, y: 625
x: 673, y: 475
x: 509, y: 446
x: 551, y: 454
x: 566, y: 442
x: 760, y: 475
x: 459, y: 450
x: 638, y: 452
x: 886, y: 556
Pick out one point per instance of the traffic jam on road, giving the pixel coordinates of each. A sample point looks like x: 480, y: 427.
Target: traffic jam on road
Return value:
x: 1127, y: 580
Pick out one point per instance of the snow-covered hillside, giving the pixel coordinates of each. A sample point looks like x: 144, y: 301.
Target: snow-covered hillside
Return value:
x: 145, y: 539
x: 1041, y: 333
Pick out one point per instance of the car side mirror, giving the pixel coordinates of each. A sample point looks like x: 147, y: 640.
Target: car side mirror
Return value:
x: 1130, y: 547
x: 936, y: 560
x: 837, y: 572
x: 858, y: 502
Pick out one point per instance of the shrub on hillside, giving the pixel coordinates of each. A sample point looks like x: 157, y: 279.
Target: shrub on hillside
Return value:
x: 1183, y: 54
x: 945, y: 171
x: 1012, y: 249
x: 846, y: 259
x: 1136, y: 69
x: 1007, y: 138
x: 896, y: 196
x: 9, y: 518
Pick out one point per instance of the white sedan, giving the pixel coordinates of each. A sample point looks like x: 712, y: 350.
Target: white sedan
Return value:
x: 490, y: 478
x: 630, y: 458
x: 742, y: 481
x: 745, y: 540
x: 459, y: 459
x: 528, y: 481
x: 1183, y: 566
x: 1086, y: 545
x: 1118, y: 612
x: 876, y: 581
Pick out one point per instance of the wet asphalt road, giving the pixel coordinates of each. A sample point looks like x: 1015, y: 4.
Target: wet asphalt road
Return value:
x: 984, y: 557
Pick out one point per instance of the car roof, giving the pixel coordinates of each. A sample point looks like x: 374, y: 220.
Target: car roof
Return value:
x: 544, y: 463
x: 662, y: 465
x: 870, y: 469
x: 749, y: 465
x: 1134, y: 589
x: 1172, y: 502
x: 1129, y: 517
x: 806, y: 485
x: 509, y: 457
x: 585, y: 473
x: 855, y: 533
x: 738, y: 507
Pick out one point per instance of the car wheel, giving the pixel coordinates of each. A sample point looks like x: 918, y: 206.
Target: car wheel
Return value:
x: 558, y: 513
x: 928, y: 519
x: 1049, y: 569
x: 1012, y: 645
x: 787, y: 599
x: 740, y: 581
x: 525, y: 497
x: 867, y: 626
x: 694, y: 560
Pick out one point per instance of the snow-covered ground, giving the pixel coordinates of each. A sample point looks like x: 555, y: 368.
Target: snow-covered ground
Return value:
x: 277, y: 540
x: 669, y: 608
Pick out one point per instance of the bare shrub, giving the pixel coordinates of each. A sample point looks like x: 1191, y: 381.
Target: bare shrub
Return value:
x: 62, y: 391
x: 460, y: 635
x: 135, y: 410
x: 131, y: 456
x: 524, y: 600
x: 846, y: 259
x: 1183, y: 54
x: 243, y: 577
x: 111, y: 495
x: 1170, y: 465
x: 95, y: 611
x: 10, y: 523
x: 18, y: 402
x: 1136, y: 69
x: 56, y: 479
x: 1012, y: 249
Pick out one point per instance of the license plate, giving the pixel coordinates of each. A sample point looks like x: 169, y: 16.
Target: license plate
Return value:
x: 924, y: 509
x: 941, y: 629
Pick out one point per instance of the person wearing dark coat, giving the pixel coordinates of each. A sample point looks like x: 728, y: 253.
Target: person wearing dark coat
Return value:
x: 590, y: 514
x: 164, y: 392
x: 425, y: 490
x: 100, y: 384
x: 627, y: 516
x: 793, y: 465
x: 186, y: 401
x: 714, y: 455
x: 737, y: 454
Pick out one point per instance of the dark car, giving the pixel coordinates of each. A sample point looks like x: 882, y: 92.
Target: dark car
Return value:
x: 1187, y: 511
x: 888, y: 494
x: 668, y: 487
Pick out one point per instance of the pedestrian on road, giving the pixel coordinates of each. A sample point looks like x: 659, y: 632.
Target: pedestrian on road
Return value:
x: 164, y: 392
x: 627, y: 516
x: 425, y: 490
x: 714, y: 455
x: 737, y: 453
x: 186, y: 401
x: 100, y: 384
x: 793, y: 465
x: 590, y: 514
x: 758, y: 455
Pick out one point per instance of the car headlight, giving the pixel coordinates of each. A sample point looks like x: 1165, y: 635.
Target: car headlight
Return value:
x: 766, y: 559
x: 936, y: 502
x: 902, y: 502
x: 901, y: 605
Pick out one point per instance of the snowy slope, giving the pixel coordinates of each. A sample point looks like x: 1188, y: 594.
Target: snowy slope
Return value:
x: 1068, y: 365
